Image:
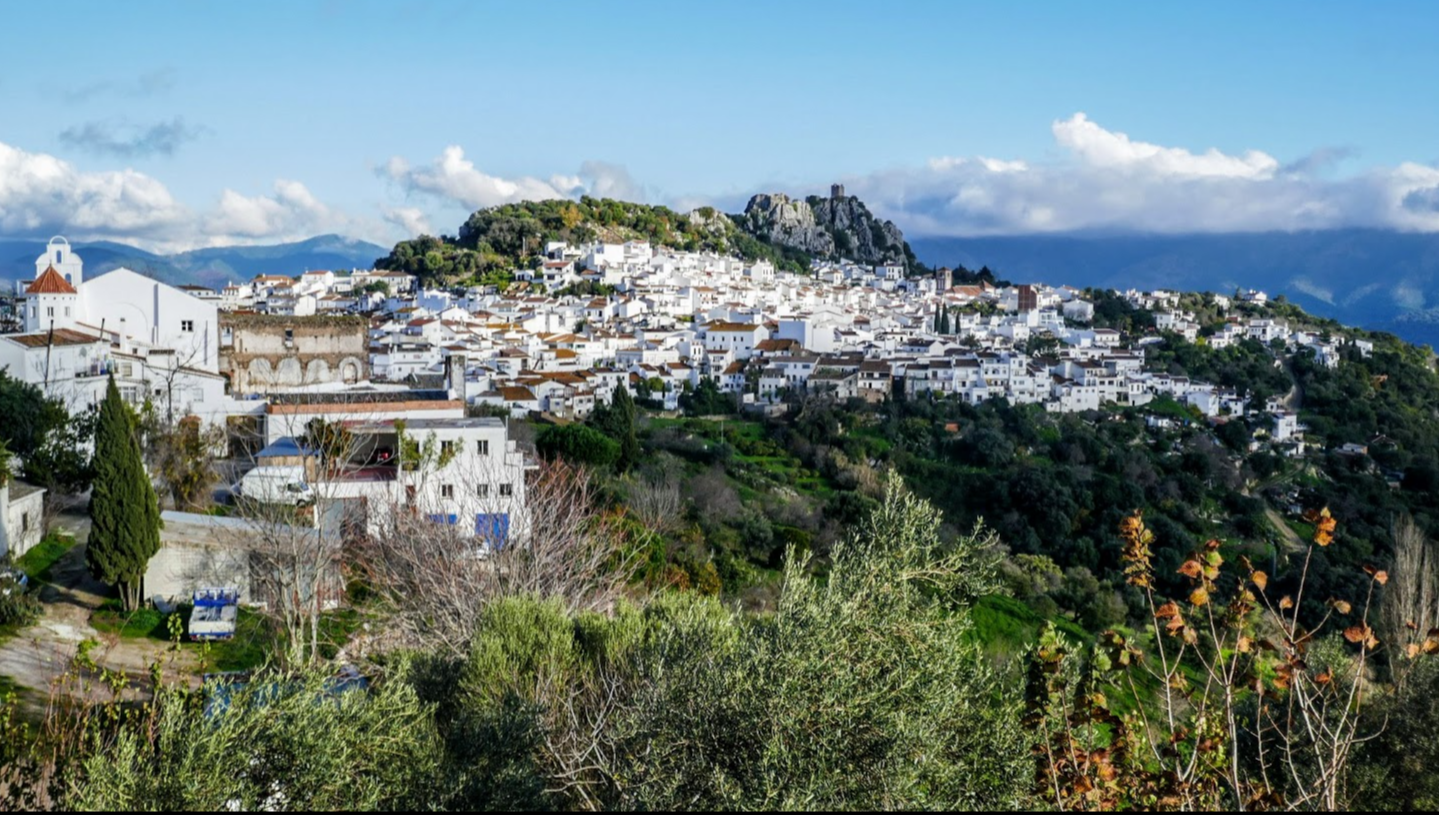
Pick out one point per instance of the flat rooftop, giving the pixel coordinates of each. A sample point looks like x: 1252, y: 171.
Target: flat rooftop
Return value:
x: 361, y: 397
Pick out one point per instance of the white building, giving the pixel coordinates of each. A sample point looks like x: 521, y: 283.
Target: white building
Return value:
x: 160, y: 341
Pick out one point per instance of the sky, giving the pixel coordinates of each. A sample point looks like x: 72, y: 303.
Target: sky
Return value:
x: 177, y: 125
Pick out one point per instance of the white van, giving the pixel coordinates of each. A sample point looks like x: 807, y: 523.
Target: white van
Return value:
x: 276, y: 484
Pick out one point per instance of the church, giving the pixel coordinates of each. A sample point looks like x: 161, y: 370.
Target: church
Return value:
x: 160, y: 343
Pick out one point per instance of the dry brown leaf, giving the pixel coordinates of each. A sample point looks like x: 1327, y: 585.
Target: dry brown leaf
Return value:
x: 1261, y: 580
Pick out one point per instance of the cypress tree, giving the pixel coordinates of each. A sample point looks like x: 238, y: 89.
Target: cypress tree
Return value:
x: 623, y: 413
x: 124, y: 514
x: 944, y: 322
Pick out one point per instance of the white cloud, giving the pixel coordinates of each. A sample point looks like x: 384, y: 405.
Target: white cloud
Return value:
x: 291, y: 210
x: 39, y: 192
x: 42, y: 195
x: 1098, y: 147
x: 411, y: 220
x: 1105, y: 180
x: 453, y: 178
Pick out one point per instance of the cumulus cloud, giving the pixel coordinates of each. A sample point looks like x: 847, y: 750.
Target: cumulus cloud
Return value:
x: 290, y: 211
x: 1110, y: 149
x: 122, y: 139
x: 42, y: 195
x: 1106, y: 180
x: 411, y: 220
x: 453, y: 178
x: 39, y: 192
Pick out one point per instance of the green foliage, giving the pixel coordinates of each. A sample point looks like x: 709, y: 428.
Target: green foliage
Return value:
x: 141, y: 623
x: 864, y: 692
x: 707, y: 400
x: 284, y: 742
x: 1393, y: 772
x: 578, y: 444
x: 124, y: 514
x: 182, y: 456
x: 17, y: 608
x: 39, y: 559
x: 617, y: 420
x: 41, y: 432
x: 496, y: 240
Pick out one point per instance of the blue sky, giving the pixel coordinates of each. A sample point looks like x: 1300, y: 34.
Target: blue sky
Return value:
x: 181, y: 124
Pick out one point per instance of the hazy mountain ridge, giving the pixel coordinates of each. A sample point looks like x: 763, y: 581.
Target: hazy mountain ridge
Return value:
x: 214, y: 266
x: 1376, y: 279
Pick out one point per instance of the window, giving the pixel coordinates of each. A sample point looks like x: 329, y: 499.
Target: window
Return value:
x: 187, y: 325
x: 24, y: 522
x: 482, y: 490
x: 447, y: 448
x: 482, y: 447
x: 447, y: 490
x: 67, y: 311
x: 49, y: 311
x: 507, y: 490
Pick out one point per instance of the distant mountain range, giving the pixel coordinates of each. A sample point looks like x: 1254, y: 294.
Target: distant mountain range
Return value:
x: 207, y: 267
x: 1384, y: 281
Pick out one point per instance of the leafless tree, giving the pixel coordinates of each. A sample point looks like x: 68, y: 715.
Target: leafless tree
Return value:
x: 655, y: 500
x: 437, y: 577
x: 1411, y: 602
x: 295, y: 553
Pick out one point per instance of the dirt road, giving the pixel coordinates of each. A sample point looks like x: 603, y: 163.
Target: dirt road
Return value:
x: 37, y: 657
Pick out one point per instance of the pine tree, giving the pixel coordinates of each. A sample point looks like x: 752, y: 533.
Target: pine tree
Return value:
x: 124, y: 514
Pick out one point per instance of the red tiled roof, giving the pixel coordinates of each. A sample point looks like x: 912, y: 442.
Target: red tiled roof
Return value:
x: 50, y: 282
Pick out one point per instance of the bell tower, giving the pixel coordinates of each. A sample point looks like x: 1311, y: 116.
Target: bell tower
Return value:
x: 59, y: 256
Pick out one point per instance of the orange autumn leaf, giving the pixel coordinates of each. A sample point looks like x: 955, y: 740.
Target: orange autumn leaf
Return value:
x: 1357, y: 633
x: 1199, y: 597
x: 1261, y: 580
x: 1381, y: 577
x: 1286, y: 602
x: 1166, y: 610
x: 1191, y: 569
x: 1340, y: 606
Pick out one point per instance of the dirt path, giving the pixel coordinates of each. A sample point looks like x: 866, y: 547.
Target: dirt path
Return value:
x: 1292, y: 541
x: 39, y: 655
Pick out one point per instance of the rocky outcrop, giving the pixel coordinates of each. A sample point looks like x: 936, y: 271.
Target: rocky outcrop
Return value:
x: 776, y: 219
x: 837, y: 227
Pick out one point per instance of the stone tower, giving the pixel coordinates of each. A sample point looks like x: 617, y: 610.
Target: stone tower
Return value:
x: 836, y: 191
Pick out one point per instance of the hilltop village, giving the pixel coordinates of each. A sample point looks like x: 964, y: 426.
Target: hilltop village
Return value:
x: 591, y: 318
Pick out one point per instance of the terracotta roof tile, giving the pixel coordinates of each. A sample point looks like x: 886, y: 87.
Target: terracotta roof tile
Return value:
x: 50, y: 282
